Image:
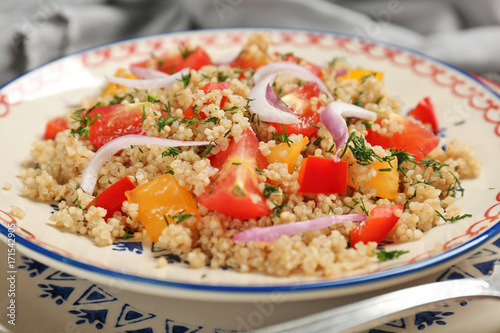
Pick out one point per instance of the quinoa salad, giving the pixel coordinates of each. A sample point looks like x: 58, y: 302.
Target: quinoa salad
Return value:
x: 268, y: 163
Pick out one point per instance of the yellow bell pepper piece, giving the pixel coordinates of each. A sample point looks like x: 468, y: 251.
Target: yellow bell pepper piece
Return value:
x: 287, y: 154
x: 386, y: 181
x: 112, y: 88
x: 360, y: 74
x: 162, y: 201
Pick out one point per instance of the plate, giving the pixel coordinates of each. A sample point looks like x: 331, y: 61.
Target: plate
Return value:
x: 468, y: 110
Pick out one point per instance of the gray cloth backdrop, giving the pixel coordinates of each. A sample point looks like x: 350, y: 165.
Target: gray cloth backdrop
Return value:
x: 464, y: 33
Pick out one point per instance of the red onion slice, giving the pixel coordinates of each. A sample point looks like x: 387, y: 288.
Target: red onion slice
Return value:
x: 265, y: 103
x: 274, y: 232
x: 156, y: 83
x: 89, y: 175
x: 286, y: 67
x: 332, y: 116
x: 147, y: 73
x: 341, y: 72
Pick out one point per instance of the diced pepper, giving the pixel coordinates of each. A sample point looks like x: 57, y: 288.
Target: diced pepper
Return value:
x: 322, y: 175
x: 287, y: 153
x: 162, y: 201
x: 426, y: 113
x: 113, y: 197
x: 378, y: 225
x: 112, y: 88
x: 386, y: 181
x: 53, y: 127
x: 362, y: 74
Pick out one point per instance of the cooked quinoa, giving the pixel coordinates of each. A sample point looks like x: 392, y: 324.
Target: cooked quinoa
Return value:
x: 427, y: 191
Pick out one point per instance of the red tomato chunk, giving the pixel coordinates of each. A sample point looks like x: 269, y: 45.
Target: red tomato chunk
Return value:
x: 299, y: 102
x: 322, y: 175
x: 234, y: 189
x: 377, y: 226
x: 53, y: 127
x: 414, y: 138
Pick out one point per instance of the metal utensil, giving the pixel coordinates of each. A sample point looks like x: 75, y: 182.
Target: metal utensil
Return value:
x: 374, y: 311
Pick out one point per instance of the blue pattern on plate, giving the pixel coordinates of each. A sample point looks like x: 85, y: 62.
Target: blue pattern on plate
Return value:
x: 95, y: 295
x: 54, y: 291
x: 134, y: 247
x: 131, y: 315
x: 98, y: 308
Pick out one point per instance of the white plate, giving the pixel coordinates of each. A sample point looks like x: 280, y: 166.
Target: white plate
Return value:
x: 29, y: 101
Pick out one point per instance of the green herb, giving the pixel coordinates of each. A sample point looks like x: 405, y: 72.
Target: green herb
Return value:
x: 153, y: 99
x: 278, y: 208
x: 365, y: 77
x: 260, y: 172
x: 185, y: 52
x: 346, y: 205
x: 317, y: 142
x: 212, y: 184
x: 231, y: 109
x: 83, y: 117
x: 402, y: 157
x: 314, y: 125
x: 166, y: 220
x: 172, y: 151
x: 358, y: 103
x: 162, y: 122
x: 379, y: 99
x: 192, y: 121
x: 408, y: 200
x: 270, y: 190
x: 457, y: 186
x: 227, y: 132
x: 180, y: 217
x: 432, y: 163
x: 167, y: 108
x: 368, y: 124
x: 221, y: 77
x: 185, y: 79
x: 282, y: 137
x: 234, y: 163
x: 207, y: 150
x: 363, y: 154
x: 283, y: 56
x: 128, y: 234
x: 143, y: 114
x: 454, y: 218
x: 384, y: 255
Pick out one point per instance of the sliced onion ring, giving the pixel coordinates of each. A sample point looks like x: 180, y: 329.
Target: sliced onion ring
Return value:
x: 147, y: 73
x: 89, y: 175
x: 282, y: 67
x: 274, y: 232
x: 156, y: 83
x: 332, y: 116
x: 261, y: 103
